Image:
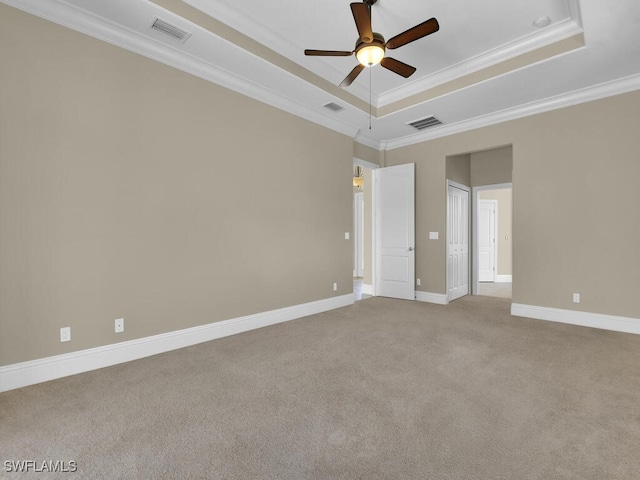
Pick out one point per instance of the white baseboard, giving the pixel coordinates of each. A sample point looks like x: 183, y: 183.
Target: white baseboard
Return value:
x: 42, y: 370
x: 504, y: 278
x: 439, y: 298
x: 585, y: 319
x: 367, y: 289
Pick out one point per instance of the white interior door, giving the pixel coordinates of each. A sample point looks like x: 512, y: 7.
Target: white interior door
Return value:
x: 457, y: 242
x: 486, y: 240
x: 395, y: 231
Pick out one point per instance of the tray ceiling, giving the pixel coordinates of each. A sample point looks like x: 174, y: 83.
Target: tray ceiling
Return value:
x: 488, y: 63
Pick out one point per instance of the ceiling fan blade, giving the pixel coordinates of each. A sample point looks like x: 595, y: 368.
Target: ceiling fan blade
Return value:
x: 328, y: 53
x: 398, y: 67
x: 352, y: 76
x: 419, y: 31
x: 362, y: 18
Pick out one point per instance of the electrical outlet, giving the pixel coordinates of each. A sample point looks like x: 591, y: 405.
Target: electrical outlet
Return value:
x: 65, y: 334
x: 119, y: 325
x: 335, y: 287
x: 417, y: 281
x: 576, y: 298
x: 346, y: 235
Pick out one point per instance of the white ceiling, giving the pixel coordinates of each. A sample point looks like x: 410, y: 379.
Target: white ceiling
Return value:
x: 474, y: 38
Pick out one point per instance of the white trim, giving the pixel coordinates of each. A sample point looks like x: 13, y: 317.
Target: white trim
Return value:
x: 504, y: 278
x: 368, y: 141
x: 358, y: 234
x: 460, y: 186
x: 367, y: 289
x: 36, y: 371
x: 572, y: 317
x: 273, y: 40
x: 589, y: 94
x: 534, y: 41
x: 364, y: 164
x: 438, y: 298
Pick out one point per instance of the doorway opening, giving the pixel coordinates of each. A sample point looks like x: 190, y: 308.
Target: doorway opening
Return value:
x: 362, y: 228
x: 492, y: 245
x: 487, y: 174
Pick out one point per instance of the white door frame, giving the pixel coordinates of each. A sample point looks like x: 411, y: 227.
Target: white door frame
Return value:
x: 466, y: 188
x: 358, y: 231
x: 474, y: 207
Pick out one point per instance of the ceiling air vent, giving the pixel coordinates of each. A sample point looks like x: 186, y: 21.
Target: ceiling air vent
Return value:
x: 334, y: 107
x: 170, y: 30
x: 425, y: 123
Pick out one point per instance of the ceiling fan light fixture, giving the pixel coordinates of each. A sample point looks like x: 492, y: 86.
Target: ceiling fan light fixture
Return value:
x: 370, y: 54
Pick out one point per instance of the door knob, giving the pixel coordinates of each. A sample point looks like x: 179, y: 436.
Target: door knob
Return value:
x: 411, y: 249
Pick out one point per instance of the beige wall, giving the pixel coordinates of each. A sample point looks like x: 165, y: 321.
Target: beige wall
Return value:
x: 131, y: 189
x: 491, y: 167
x: 503, y: 197
x: 575, y: 225
x: 459, y: 169
x: 367, y: 154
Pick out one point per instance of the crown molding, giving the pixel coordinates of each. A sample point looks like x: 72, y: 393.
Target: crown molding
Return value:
x: 225, y: 13
x: 76, y: 19
x: 534, y: 41
x: 367, y: 141
x: 574, y: 11
x: 97, y: 27
x: 589, y: 94
x: 222, y: 11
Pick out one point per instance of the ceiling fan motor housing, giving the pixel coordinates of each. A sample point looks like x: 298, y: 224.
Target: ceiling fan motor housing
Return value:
x: 378, y: 39
x: 376, y: 43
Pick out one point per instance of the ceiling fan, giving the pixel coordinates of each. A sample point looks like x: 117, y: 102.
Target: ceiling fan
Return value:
x: 370, y: 46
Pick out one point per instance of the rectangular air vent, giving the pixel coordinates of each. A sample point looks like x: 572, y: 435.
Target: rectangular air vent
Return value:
x: 425, y: 123
x: 170, y: 30
x: 334, y: 107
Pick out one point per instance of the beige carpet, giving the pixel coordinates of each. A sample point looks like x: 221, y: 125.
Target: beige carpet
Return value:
x: 385, y: 389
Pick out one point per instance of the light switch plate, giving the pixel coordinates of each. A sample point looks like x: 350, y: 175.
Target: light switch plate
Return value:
x: 346, y: 235
x: 433, y: 235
